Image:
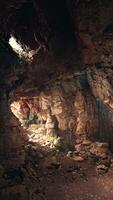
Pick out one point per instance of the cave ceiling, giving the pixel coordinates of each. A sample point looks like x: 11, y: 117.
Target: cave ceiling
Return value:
x: 68, y: 34
x: 35, y: 20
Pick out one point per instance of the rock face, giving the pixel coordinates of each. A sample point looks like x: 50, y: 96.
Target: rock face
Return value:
x: 76, y: 106
x: 67, y: 107
x: 101, y: 84
x: 66, y: 89
x: 12, y: 136
x: 93, y: 26
x: 61, y: 97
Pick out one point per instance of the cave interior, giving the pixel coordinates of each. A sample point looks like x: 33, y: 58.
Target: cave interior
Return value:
x: 56, y: 99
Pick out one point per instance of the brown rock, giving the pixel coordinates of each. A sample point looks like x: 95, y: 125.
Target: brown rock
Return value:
x: 99, y: 149
x: 15, y: 192
x: 101, y: 169
x: 78, y: 158
x: 78, y: 147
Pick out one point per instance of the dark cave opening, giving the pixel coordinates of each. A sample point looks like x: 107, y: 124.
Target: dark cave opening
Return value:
x: 31, y: 29
x: 59, y: 16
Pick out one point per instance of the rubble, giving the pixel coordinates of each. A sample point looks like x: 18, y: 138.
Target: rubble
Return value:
x: 101, y: 169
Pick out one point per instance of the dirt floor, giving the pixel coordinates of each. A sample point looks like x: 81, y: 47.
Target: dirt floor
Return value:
x: 76, y: 181
x: 60, y: 178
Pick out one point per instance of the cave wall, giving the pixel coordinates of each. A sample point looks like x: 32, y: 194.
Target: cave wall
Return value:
x: 80, y: 105
x: 100, y: 81
x: 71, y: 38
x: 68, y: 100
x: 92, y: 21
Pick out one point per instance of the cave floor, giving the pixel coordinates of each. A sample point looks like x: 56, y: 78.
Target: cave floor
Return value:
x: 60, y: 178
x: 76, y: 181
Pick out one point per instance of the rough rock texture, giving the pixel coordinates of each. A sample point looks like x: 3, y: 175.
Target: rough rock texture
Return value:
x: 76, y: 105
x: 12, y: 136
x: 93, y: 26
x: 60, y: 98
x: 64, y: 107
x: 100, y: 81
x: 56, y: 90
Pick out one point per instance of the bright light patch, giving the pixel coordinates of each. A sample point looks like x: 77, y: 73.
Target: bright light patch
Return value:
x: 22, y: 50
x: 16, y: 47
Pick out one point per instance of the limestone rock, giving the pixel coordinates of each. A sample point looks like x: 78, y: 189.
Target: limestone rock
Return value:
x: 57, y: 141
x: 78, y: 147
x: 101, y: 169
x: 49, y: 123
x: 99, y: 149
x: 78, y: 158
x: 69, y: 154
